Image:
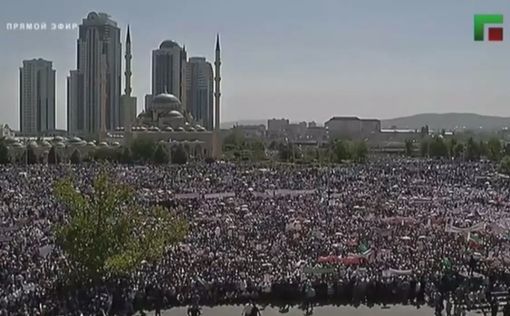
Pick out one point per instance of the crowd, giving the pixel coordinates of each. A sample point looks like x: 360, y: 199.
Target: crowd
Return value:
x: 388, y: 231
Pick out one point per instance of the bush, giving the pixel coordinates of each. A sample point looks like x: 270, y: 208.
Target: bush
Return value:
x: 504, y: 166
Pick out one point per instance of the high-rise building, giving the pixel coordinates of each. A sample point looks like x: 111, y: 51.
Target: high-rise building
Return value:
x: 127, y: 102
x: 169, y: 70
x: 199, y: 84
x: 37, y: 97
x: 94, y: 87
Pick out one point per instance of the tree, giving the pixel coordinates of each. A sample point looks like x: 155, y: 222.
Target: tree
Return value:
x: 234, y: 140
x: 504, y: 166
x: 52, y: 156
x: 108, y: 234
x: 472, y: 150
x: 161, y: 156
x: 75, y: 157
x: 451, y: 144
x: 341, y: 151
x: 438, y: 148
x: 484, y: 150
x: 458, y: 150
x: 179, y: 155
x: 126, y: 156
x: 106, y: 154
x: 143, y: 149
x: 359, y: 151
x: 494, y: 149
x: 409, y: 147
x: 424, y: 148
x: 31, y: 156
x: 4, y: 152
x: 286, y: 152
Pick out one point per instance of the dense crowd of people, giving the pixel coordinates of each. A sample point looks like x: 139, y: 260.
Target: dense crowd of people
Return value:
x: 388, y: 231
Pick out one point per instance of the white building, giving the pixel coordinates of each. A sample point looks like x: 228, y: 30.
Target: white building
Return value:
x: 37, y: 97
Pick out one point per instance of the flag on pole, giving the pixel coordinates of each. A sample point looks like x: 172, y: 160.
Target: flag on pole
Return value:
x: 474, y: 241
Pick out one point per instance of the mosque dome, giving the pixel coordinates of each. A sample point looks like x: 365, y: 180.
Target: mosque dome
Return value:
x: 33, y: 144
x: 168, y: 44
x: 165, y: 102
x: 175, y: 114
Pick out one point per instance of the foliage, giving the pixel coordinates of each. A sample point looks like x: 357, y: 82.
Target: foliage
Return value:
x: 472, y: 150
x: 209, y: 160
x: 106, y: 154
x: 142, y: 149
x: 107, y: 233
x: 438, y: 148
x: 504, y: 166
x: 409, y: 147
x: 359, y: 151
x: 494, y: 149
x: 179, y: 155
x: 341, y: 151
x: 75, y: 157
x: 234, y: 140
x: 126, y: 157
x: 52, y: 156
x: 424, y: 148
x: 286, y: 152
x: 4, y: 152
x: 31, y: 156
x: 458, y: 150
x: 161, y: 156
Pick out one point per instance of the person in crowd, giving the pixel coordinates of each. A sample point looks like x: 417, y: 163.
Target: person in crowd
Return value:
x: 384, y: 232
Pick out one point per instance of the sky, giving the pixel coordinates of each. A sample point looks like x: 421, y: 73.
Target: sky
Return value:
x: 298, y: 59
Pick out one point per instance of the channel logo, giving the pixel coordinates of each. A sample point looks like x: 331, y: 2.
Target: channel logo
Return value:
x: 495, y: 34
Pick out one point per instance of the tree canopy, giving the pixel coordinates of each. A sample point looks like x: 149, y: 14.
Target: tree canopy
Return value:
x: 108, y: 234
x: 4, y: 152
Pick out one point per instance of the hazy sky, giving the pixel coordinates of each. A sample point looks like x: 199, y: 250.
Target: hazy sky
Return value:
x: 300, y: 59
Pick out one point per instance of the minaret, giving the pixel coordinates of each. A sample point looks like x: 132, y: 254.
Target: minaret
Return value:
x: 127, y: 102
x: 127, y: 73
x: 217, y: 79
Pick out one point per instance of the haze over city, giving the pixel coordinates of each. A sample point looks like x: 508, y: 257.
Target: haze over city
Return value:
x: 361, y: 57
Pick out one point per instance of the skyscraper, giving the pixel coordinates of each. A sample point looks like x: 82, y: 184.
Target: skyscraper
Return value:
x: 127, y: 102
x: 94, y: 87
x: 169, y: 70
x: 199, y: 94
x: 37, y: 97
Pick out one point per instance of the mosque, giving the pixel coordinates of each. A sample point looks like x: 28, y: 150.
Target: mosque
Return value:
x: 167, y: 121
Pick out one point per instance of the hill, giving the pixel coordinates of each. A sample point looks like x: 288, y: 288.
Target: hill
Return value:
x: 448, y: 121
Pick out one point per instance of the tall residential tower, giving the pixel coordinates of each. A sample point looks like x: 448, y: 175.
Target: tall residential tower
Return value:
x: 169, y: 70
x: 94, y: 87
x: 37, y: 97
x: 199, y: 84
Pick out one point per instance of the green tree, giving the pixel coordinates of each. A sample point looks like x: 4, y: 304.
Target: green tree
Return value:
x: 504, y: 166
x: 106, y: 154
x: 458, y: 151
x: 424, y: 148
x: 161, y: 156
x: 438, y: 148
x: 52, y: 156
x: 4, y: 152
x: 286, y: 152
x: 341, y: 151
x: 409, y: 147
x: 234, y: 140
x: 359, y: 151
x: 142, y: 149
x: 483, y: 148
x: 179, y: 155
x: 126, y: 157
x: 75, y: 157
x: 472, y: 150
x: 494, y: 149
x: 31, y: 156
x: 451, y: 144
x: 108, y: 234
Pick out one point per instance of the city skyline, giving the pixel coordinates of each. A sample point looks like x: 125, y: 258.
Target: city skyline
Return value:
x: 350, y: 58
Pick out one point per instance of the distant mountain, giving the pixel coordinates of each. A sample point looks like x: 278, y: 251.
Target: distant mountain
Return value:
x: 226, y: 125
x: 448, y: 121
